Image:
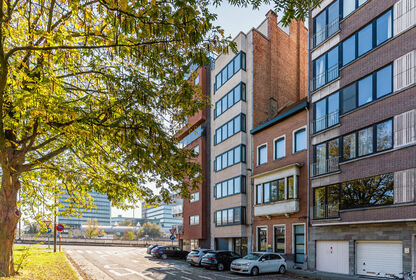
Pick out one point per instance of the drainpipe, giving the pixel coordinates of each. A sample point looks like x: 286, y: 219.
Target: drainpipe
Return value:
x: 251, y: 144
x: 308, y: 219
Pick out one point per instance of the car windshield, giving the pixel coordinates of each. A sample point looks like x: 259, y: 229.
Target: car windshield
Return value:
x: 194, y: 252
x: 252, y: 256
x: 210, y: 255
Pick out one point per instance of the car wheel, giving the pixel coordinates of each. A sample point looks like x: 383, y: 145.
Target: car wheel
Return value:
x: 164, y: 256
x: 282, y: 269
x: 255, y: 271
x: 220, y: 267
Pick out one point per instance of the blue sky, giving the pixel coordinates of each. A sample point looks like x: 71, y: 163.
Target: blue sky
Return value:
x: 232, y: 20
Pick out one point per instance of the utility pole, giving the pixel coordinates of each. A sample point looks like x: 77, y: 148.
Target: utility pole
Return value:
x: 54, y: 223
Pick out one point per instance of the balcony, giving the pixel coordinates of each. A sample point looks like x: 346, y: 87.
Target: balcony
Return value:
x: 277, y: 208
x: 325, y: 77
x: 326, y: 32
x: 326, y: 121
x: 326, y: 166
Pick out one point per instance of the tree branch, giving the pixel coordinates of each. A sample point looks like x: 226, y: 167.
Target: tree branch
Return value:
x: 45, y: 158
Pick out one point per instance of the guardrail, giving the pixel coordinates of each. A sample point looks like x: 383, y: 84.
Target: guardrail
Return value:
x: 97, y: 242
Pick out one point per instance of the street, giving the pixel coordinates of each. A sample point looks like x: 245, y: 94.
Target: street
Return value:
x: 107, y: 263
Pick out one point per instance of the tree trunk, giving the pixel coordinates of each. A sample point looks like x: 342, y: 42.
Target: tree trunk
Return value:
x: 9, y: 217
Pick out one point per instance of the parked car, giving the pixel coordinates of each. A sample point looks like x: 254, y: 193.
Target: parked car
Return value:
x: 153, y: 251
x: 259, y: 262
x: 169, y: 251
x: 149, y: 249
x: 195, y: 256
x: 219, y: 260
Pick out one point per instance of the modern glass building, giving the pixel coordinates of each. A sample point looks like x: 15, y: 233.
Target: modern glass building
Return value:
x: 102, y: 213
x: 163, y: 213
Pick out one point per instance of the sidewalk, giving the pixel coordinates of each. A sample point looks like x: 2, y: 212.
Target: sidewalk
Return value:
x: 325, y: 275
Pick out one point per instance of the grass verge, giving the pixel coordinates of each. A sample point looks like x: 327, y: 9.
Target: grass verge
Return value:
x: 41, y: 264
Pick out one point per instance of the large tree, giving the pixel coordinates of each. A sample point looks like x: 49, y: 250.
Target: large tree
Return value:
x: 92, y: 93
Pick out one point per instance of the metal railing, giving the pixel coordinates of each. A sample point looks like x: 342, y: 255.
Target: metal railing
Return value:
x: 325, y: 211
x: 325, y: 77
x: 326, y: 166
x: 325, y: 32
x: 326, y: 121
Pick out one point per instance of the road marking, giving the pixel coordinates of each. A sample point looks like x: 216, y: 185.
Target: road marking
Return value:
x: 187, y: 272
x: 134, y: 261
x: 204, y: 277
x: 111, y: 269
x: 89, y: 252
x: 79, y: 251
x: 98, y: 252
x: 69, y: 251
x: 183, y: 277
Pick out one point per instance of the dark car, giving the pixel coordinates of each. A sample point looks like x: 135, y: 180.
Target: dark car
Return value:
x: 165, y: 252
x: 149, y: 249
x: 219, y: 260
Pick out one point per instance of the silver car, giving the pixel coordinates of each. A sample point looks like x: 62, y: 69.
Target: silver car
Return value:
x: 195, y: 256
x: 259, y: 262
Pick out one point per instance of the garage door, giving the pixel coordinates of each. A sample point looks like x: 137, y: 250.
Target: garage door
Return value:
x: 379, y: 258
x: 332, y: 256
x: 222, y: 243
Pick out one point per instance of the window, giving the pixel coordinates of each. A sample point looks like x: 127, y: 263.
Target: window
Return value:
x: 266, y: 193
x: 348, y: 7
x: 365, y: 90
x: 230, y: 157
x: 365, y: 141
x: 384, y: 81
x: 279, y: 239
x: 276, y: 190
x: 194, y: 220
x: 326, y: 157
x: 349, y: 147
x: 365, y: 40
x: 384, y: 27
x: 280, y: 148
x: 192, y: 136
x: 231, y: 216
x: 300, y: 140
x: 259, y: 194
x: 290, y: 187
x: 196, y: 81
x: 326, y: 202
x: 196, y: 149
x: 194, y: 197
x: 237, y: 63
x: 373, y: 191
x: 384, y: 135
x: 326, y: 112
x: 349, y: 99
x: 227, y: 101
x: 326, y: 23
x: 299, y: 237
x: 230, y: 128
x: 262, y: 239
x: 319, y: 66
x: 348, y: 50
x: 262, y: 155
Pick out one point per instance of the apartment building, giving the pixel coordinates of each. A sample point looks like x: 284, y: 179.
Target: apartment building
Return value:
x: 362, y: 137
x: 280, y: 181
x: 245, y: 93
x: 195, y: 211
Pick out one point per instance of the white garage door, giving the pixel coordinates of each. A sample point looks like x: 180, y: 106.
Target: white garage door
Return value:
x: 379, y: 258
x: 332, y: 256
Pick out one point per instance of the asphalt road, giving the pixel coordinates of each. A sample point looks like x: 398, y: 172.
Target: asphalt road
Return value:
x: 106, y: 263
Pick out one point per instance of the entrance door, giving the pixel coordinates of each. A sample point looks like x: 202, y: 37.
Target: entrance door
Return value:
x: 332, y: 256
x: 262, y: 239
x: 299, y: 234
x: 378, y: 258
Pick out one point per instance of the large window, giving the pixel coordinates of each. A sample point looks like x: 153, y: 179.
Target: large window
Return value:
x: 192, y: 136
x: 262, y: 154
x: 365, y: 141
x: 194, y: 197
x: 276, y: 190
x: 234, y: 96
x: 384, y: 27
x: 326, y: 23
x: 230, y: 157
x: 326, y: 68
x: 280, y: 239
x: 326, y: 112
x: 365, y: 40
x: 384, y: 136
x: 300, y: 140
x: 363, y: 91
x: 231, y: 216
x: 238, y: 62
x: 262, y: 239
x: 230, y: 128
x: 326, y: 157
x: 326, y: 202
x: 348, y: 50
x: 231, y: 186
x: 280, y: 148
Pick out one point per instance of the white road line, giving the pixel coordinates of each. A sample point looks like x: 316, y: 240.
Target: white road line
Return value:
x: 89, y: 252
x: 204, y: 277
x: 135, y: 261
x: 79, y: 251
x: 98, y: 252
x: 69, y: 251
x: 187, y: 272
x: 170, y: 273
x: 183, y: 277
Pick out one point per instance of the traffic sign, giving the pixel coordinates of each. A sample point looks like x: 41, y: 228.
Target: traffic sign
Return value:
x: 47, y: 223
x: 172, y: 237
x: 49, y: 230
x: 172, y: 231
x: 60, y: 227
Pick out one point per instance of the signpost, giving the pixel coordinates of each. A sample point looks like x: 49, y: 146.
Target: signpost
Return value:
x: 47, y: 224
x: 172, y: 234
x: 60, y: 228
x: 172, y: 237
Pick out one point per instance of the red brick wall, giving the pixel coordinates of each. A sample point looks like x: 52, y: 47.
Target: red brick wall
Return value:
x: 280, y: 67
x: 285, y: 127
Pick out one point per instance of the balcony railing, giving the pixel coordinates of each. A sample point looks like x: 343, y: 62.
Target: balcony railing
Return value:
x: 325, y: 166
x: 326, y: 121
x: 325, y: 77
x: 326, y: 211
x: 286, y: 206
x: 326, y: 32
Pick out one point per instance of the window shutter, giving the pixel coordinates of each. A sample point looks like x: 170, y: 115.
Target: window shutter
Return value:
x: 405, y: 128
x: 404, y: 186
x: 404, y: 71
x: 404, y: 15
